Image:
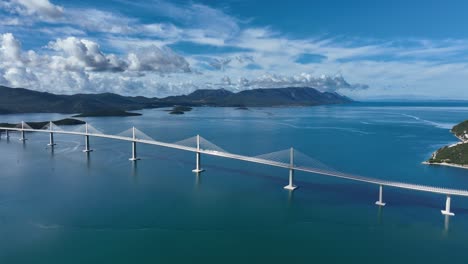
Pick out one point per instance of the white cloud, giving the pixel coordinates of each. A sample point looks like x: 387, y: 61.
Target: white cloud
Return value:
x: 81, y: 53
x: 9, y: 21
x: 161, y: 60
x: 214, y: 22
x: 220, y: 64
x: 42, y: 8
x: 245, y: 58
x: 62, y: 31
x: 79, y: 65
x: 95, y: 20
x: 323, y: 83
x: 10, y: 49
x: 20, y: 77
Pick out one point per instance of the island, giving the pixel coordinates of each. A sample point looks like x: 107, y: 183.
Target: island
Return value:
x: 455, y: 155
x: 107, y: 113
x: 242, y: 108
x: 179, y: 110
x: 40, y: 125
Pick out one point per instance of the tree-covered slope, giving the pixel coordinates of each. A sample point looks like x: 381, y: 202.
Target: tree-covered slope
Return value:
x: 461, y: 130
x: 456, y: 154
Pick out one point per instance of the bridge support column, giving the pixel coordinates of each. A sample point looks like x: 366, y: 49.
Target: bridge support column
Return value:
x: 87, y: 149
x: 380, y: 201
x: 198, y: 169
x: 134, y: 152
x: 291, y: 185
x: 7, y: 132
x: 134, y: 148
x: 51, y: 140
x: 51, y: 136
x: 447, y: 208
x: 23, y: 138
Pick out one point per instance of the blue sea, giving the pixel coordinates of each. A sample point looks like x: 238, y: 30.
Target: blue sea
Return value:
x: 64, y: 206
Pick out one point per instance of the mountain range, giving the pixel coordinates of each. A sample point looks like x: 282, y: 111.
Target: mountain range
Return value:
x: 19, y: 100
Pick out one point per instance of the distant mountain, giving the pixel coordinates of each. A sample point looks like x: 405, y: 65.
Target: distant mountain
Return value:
x: 19, y: 100
x: 293, y: 96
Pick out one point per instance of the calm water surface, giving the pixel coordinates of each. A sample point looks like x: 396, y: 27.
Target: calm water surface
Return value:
x: 63, y: 206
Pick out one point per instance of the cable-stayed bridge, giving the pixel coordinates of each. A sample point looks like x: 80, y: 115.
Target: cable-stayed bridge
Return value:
x: 290, y: 159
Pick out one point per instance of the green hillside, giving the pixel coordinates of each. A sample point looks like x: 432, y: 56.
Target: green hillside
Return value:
x: 461, y: 129
x: 455, y: 154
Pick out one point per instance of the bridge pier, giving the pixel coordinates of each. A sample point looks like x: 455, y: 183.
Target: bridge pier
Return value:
x: 198, y: 169
x: 134, y: 148
x: 23, y: 138
x: 51, y: 136
x: 51, y: 140
x: 380, y: 201
x: 291, y: 185
x: 134, y: 152
x: 87, y: 149
x: 7, y: 132
x: 447, y: 208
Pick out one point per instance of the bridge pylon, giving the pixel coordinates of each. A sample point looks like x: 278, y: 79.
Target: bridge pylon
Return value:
x: 291, y: 185
x: 198, y: 169
x: 134, y: 147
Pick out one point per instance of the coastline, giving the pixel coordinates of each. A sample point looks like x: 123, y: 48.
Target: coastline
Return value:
x: 434, y: 154
x: 446, y: 164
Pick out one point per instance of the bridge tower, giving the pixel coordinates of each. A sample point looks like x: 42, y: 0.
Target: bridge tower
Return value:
x: 134, y: 149
x: 198, y: 169
x: 380, y: 201
x: 87, y: 149
x: 447, y: 207
x: 51, y: 136
x: 23, y: 138
x: 291, y: 186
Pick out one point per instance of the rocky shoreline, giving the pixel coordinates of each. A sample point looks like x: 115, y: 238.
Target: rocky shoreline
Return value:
x: 446, y: 164
x: 454, y: 155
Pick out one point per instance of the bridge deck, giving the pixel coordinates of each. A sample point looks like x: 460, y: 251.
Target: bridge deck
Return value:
x: 423, y: 188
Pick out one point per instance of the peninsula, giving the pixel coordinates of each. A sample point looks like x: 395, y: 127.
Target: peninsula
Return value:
x: 455, y: 155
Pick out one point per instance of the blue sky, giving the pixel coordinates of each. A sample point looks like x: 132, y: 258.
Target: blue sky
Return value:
x: 363, y: 49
